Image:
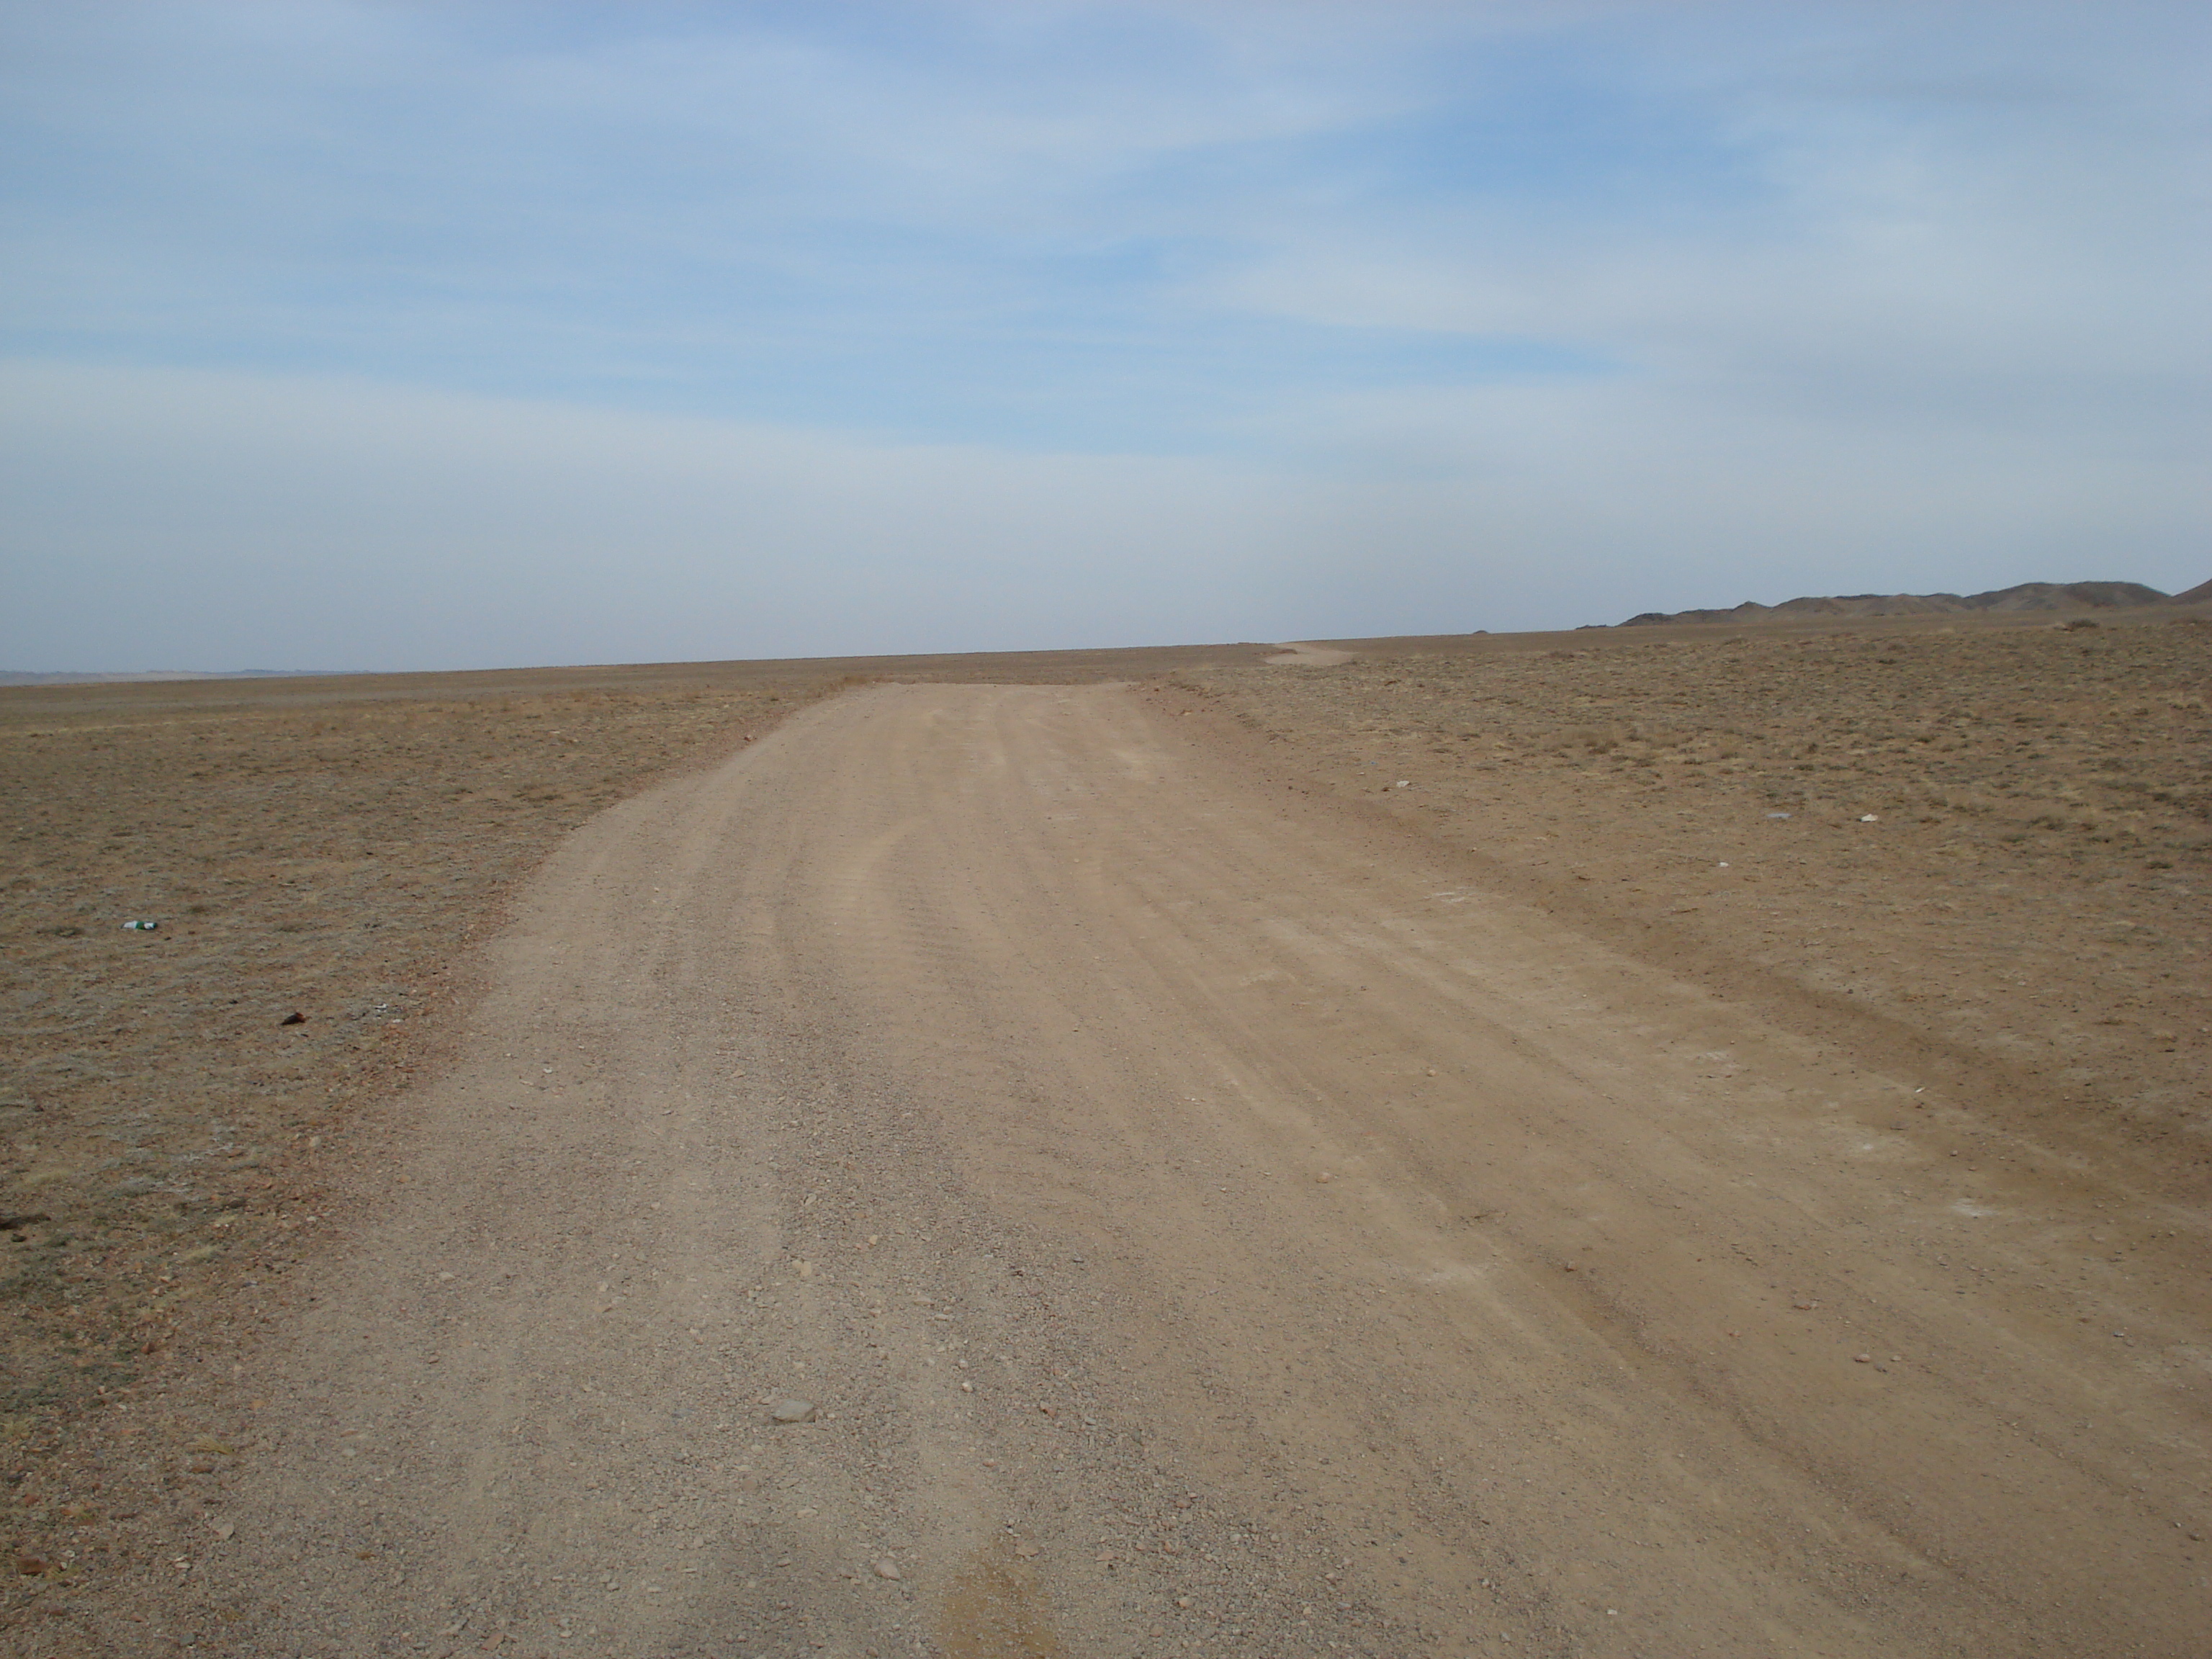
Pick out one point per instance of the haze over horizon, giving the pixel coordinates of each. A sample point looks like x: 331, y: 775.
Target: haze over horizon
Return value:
x: 417, y: 337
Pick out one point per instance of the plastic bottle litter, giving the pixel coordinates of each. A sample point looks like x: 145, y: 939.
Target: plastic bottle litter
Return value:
x: 140, y: 926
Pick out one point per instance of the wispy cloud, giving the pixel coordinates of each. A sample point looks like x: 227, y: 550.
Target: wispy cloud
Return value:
x: 1664, y: 300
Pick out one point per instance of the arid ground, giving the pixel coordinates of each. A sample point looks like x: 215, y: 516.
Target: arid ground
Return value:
x: 1643, y: 1142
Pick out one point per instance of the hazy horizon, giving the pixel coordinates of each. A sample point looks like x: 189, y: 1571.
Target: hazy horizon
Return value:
x: 385, y: 337
x: 8, y: 674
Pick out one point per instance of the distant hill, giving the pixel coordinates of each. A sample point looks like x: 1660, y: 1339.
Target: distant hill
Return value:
x: 2028, y: 596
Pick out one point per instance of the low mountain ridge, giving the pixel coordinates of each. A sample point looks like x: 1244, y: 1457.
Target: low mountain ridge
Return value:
x: 2024, y: 596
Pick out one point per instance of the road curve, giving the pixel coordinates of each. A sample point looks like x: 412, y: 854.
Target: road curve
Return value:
x: 1196, y: 1220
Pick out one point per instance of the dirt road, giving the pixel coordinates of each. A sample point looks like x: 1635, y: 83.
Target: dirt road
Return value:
x: 1199, y: 1221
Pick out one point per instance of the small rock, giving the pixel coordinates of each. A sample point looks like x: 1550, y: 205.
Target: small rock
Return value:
x: 1863, y: 1358
x: 296, y: 1018
x: 793, y: 1411
x: 888, y: 1570
x: 1869, y: 817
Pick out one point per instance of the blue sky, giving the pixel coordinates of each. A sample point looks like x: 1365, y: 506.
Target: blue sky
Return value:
x: 398, y: 335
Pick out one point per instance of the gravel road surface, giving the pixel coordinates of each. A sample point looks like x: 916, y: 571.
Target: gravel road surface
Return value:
x: 1187, y: 1217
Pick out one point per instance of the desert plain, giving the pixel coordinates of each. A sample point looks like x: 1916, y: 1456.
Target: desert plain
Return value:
x: 1685, y: 1139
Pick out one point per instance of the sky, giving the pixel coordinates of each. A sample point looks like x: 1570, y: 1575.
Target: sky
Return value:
x: 452, y: 335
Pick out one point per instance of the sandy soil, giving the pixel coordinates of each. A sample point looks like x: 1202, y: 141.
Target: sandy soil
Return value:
x: 332, y: 860
x: 1213, y: 1199
x: 330, y: 848
x: 1992, y: 846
